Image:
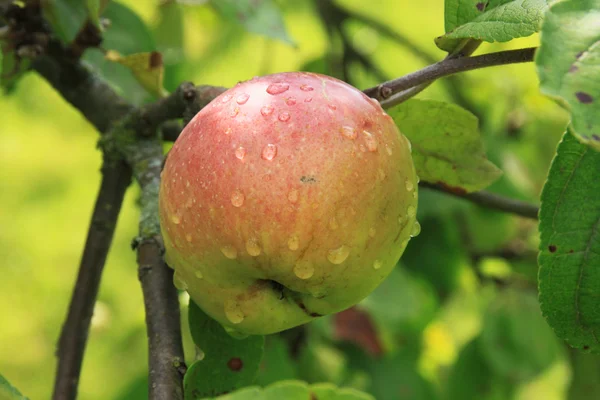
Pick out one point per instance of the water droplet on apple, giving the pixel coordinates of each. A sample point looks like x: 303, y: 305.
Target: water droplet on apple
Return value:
x: 226, y: 98
x: 188, y: 237
x: 175, y: 219
x: 266, y: 110
x: 333, y: 224
x: 349, y: 132
x: 377, y: 264
x: 308, y: 99
x: 411, y: 211
x: 293, y: 196
x: 242, y: 98
x: 284, y: 117
x: 269, y: 152
x: 233, y: 312
x: 229, y: 251
x: 293, y: 243
x: 372, y: 232
x: 415, y: 194
x: 339, y: 255
x: 409, y: 185
x: 304, y: 269
x: 237, y: 198
x: 277, y: 88
x: 306, y: 88
x: 179, y: 282
x: 388, y: 149
x: 370, y: 141
x: 416, y: 229
x: 198, y: 274
x: 291, y: 101
x: 233, y: 113
x: 253, y: 248
x: 240, y: 153
x: 228, y: 131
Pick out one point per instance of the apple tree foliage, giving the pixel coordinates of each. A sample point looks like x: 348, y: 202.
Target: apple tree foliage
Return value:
x: 375, y: 350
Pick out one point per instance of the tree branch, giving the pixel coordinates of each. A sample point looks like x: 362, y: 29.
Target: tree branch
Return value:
x: 127, y: 139
x: 449, y: 66
x: 163, y: 324
x: 77, y: 84
x: 115, y: 180
x: 165, y: 349
x: 491, y: 200
x: 102, y: 106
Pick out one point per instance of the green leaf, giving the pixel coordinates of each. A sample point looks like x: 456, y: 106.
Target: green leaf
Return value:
x: 93, y: 10
x: 568, y: 63
x: 501, y: 21
x: 472, y: 378
x: 319, y: 362
x: 11, y: 68
x: 276, y: 365
x: 439, y: 245
x: 516, y: 342
x: 66, y: 17
x: 168, y: 31
x: 296, y: 390
x: 458, y: 12
x: 414, y: 303
x: 228, y: 363
x: 127, y: 35
x: 569, y: 259
x: 395, y: 376
x: 446, y: 144
x: 9, y: 392
x: 147, y: 68
x: 262, y: 17
x: 586, y: 372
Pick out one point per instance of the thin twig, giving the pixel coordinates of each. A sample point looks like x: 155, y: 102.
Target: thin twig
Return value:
x: 116, y: 177
x: 449, y: 66
x: 490, y: 200
x: 404, y: 95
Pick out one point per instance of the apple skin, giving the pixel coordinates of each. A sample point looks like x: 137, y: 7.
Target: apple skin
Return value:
x: 288, y: 197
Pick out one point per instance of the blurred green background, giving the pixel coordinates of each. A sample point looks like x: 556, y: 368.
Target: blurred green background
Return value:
x: 458, y: 320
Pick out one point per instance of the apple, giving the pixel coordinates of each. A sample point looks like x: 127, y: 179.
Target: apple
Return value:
x: 289, y: 197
